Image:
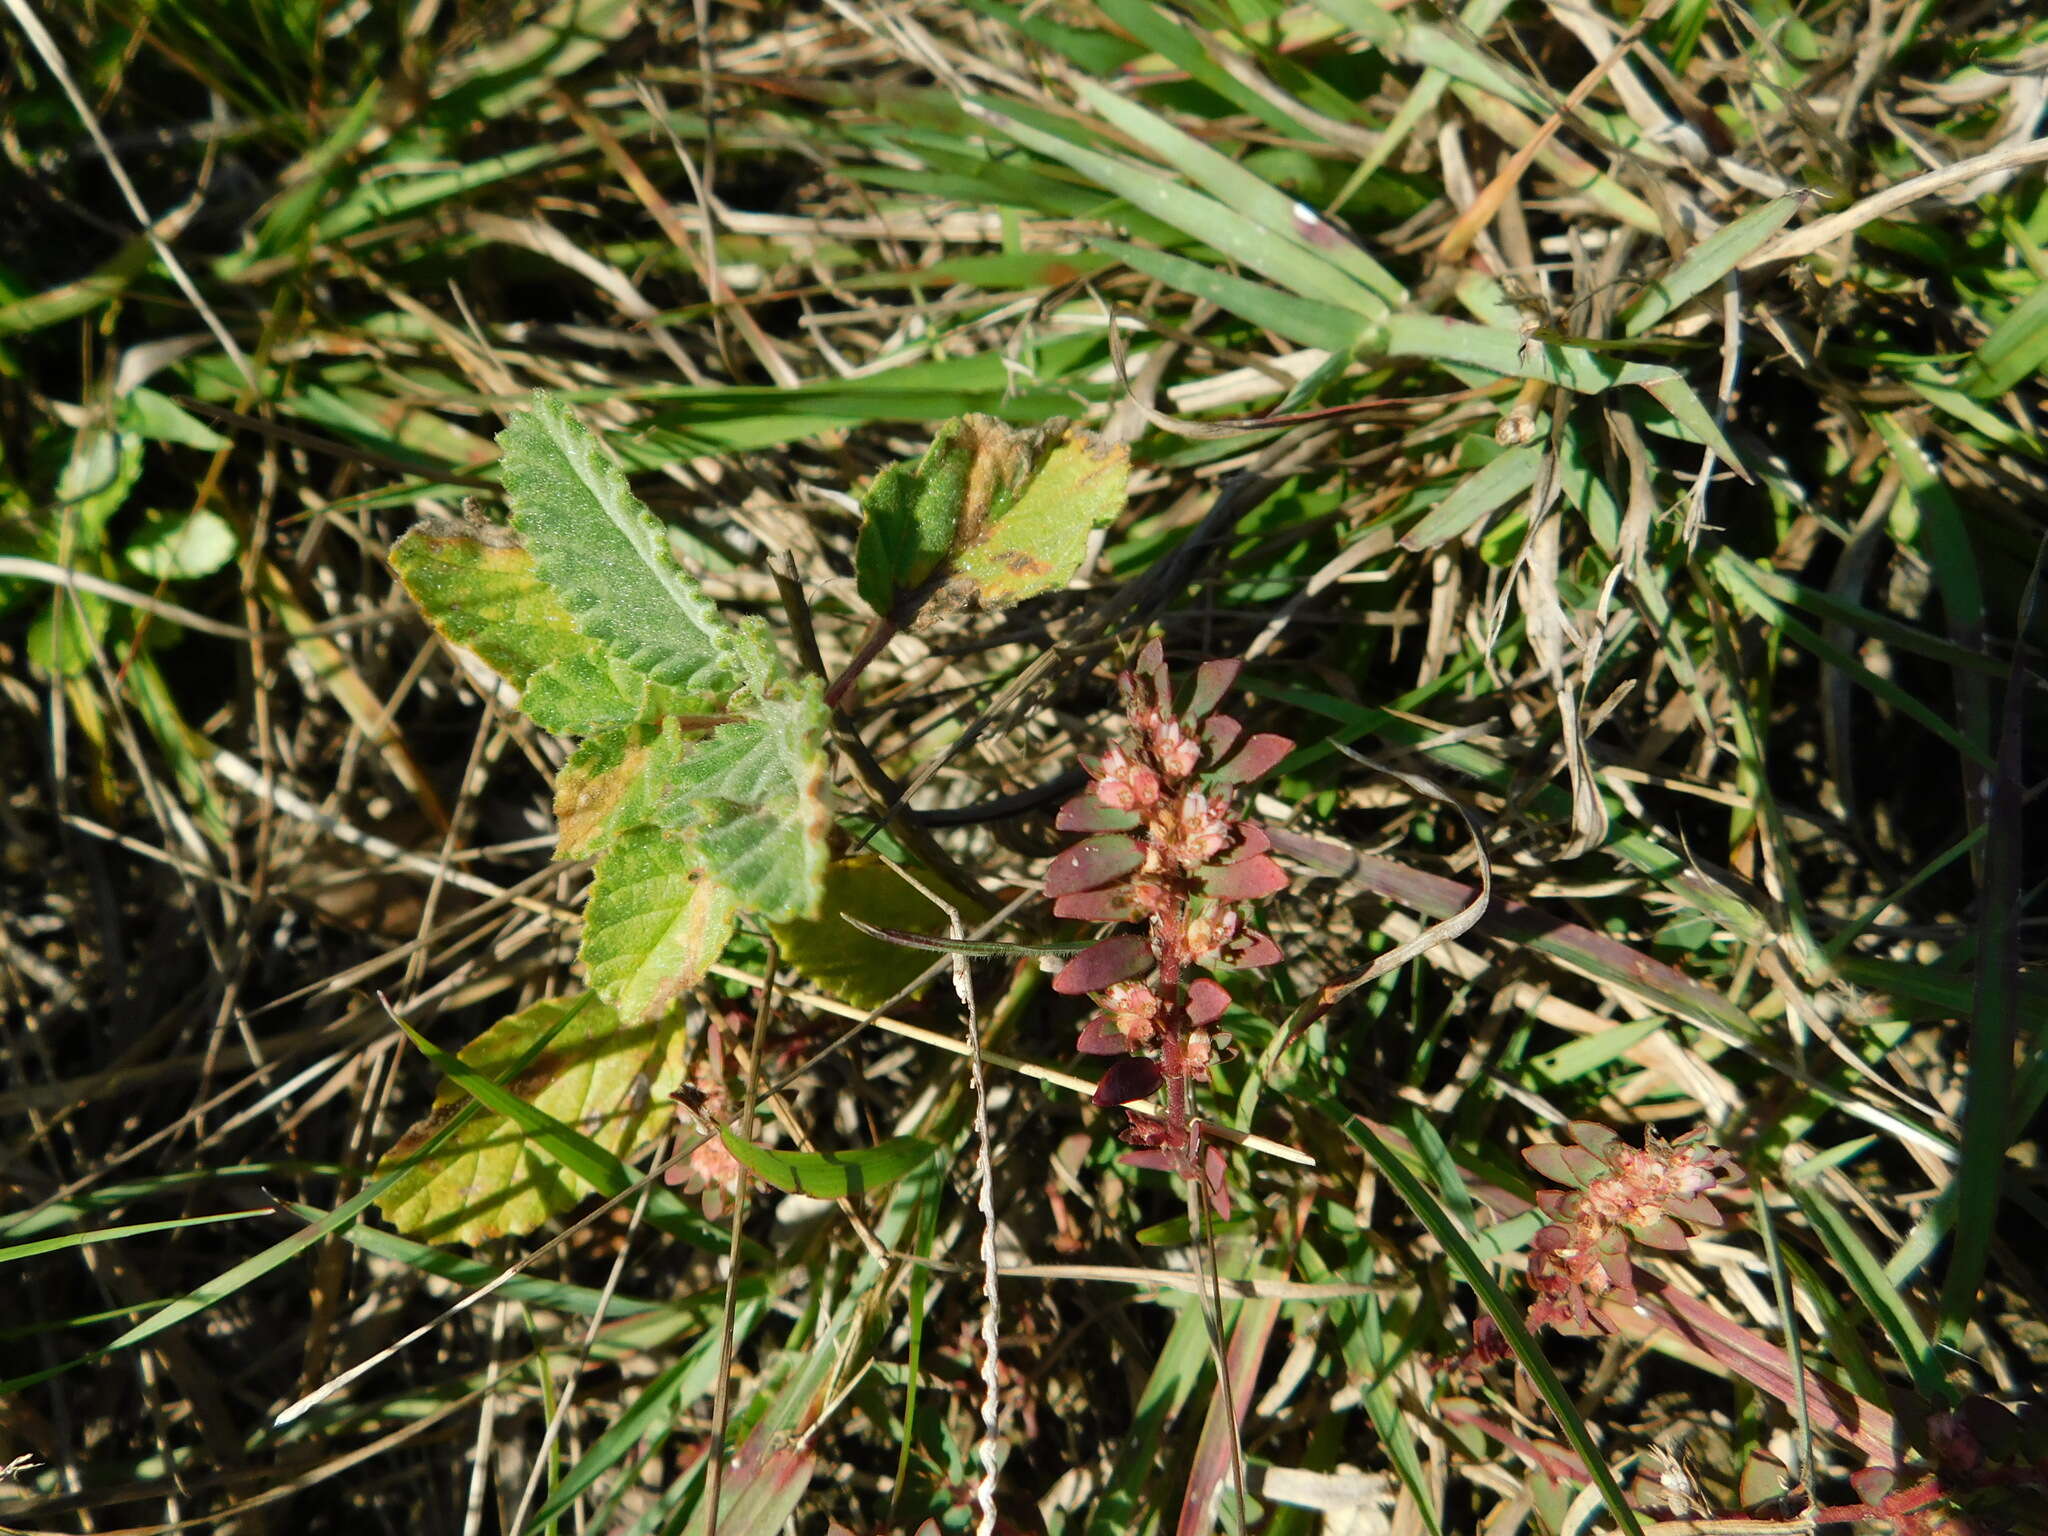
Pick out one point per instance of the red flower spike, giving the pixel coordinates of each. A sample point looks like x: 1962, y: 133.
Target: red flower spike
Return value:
x: 1616, y: 1194
x: 1122, y: 958
x: 1212, y: 682
x: 1134, y: 1077
x: 1244, y: 881
x: 1091, y: 865
x: 1085, y: 813
x: 1254, y: 760
x: 1168, y: 846
x: 1206, y: 1002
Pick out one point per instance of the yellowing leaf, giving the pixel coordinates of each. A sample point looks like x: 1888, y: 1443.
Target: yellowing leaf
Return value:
x: 492, y: 1178
x: 656, y: 921
x: 992, y: 514
x: 477, y: 586
x: 853, y: 966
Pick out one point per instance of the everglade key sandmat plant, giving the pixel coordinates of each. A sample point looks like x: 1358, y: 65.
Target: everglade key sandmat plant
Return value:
x: 1090, y: 768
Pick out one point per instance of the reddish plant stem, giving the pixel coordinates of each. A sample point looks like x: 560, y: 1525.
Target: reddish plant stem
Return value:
x: 879, y: 634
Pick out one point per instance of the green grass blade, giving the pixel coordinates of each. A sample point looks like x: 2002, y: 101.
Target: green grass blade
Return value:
x: 1707, y: 263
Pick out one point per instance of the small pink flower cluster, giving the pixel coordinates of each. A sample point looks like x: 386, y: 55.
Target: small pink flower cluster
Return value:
x: 1168, y: 849
x: 1616, y: 1194
x: 710, y: 1170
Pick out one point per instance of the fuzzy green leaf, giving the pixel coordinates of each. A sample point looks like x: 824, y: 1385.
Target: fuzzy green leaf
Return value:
x: 586, y: 694
x: 605, y: 555
x: 753, y: 800
x: 655, y: 923
x: 496, y: 1177
x: 992, y: 514
x: 750, y: 797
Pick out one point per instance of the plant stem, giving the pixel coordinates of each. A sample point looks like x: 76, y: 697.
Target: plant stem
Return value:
x: 879, y: 634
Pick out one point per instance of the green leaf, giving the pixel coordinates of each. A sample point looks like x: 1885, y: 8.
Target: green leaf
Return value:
x: 605, y: 555
x: 584, y: 694
x: 1485, y: 490
x: 853, y: 966
x: 96, y: 479
x: 2016, y: 348
x: 830, y: 1175
x: 600, y: 1080
x: 147, y: 413
x: 1707, y: 263
x: 1219, y: 225
x: 655, y: 923
x: 754, y: 800
x: 1239, y: 189
x: 60, y: 641
x: 179, y: 547
x: 1305, y: 321
x: 992, y: 514
x: 750, y: 797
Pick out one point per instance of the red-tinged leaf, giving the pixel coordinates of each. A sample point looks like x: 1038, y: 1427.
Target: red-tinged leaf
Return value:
x: 1206, y: 1002
x: 1255, y: 759
x: 1244, y: 881
x: 1251, y: 842
x: 1158, y: 1160
x: 1219, y: 735
x: 1593, y: 1136
x: 1548, y: 1160
x: 1091, y: 865
x: 1555, y: 1202
x: 1099, y: 1037
x: 1151, y: 666
x: 1085, y: 813
x: 1697, y: 1209
x: 1215, y: 1169
x: 1212, y: 682
x: 1585, y: 1166
x: 1114, y: 905
x: 1612, y: 1251
x: 1251, y: 950
x: 1662, y: 1232
x: 1132, y: 1078
x: 1122, y: 958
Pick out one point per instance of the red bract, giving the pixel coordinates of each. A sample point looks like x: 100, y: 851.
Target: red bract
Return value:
x: 1616, y: 1194
x: 1169, y: 848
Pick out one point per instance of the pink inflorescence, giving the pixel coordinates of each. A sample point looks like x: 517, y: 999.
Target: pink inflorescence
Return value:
x: 1616, y: 1195
x: 1167, y: 847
